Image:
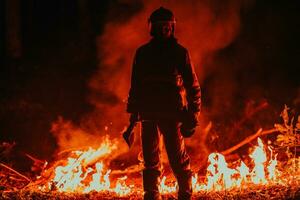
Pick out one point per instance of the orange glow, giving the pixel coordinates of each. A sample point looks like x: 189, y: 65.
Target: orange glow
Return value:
x: 85, y: 171
x: 165, y: 189
x: 221, y: 177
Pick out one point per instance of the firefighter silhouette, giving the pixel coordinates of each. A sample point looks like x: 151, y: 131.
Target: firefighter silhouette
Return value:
x: 165, y: 96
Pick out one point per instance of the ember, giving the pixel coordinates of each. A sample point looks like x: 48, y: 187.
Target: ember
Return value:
x: 86, y: 171
x: 71, y: 60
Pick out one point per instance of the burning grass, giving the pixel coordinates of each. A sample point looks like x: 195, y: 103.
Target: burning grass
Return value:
x: 253, y: 193
x: 84, y: 174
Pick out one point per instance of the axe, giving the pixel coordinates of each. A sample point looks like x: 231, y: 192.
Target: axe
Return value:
x: 128, y: 134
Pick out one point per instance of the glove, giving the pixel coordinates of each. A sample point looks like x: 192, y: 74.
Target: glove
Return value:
x: 189, y: 124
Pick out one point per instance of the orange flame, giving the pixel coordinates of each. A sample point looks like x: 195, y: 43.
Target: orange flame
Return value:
x: 165, y: 189
x: 85, y: 172
x: 220, y: 177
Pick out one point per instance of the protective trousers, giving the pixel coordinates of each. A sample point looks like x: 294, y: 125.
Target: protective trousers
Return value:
x: 177, y: 155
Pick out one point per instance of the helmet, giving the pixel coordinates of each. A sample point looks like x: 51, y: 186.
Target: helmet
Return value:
x: 161, y: 15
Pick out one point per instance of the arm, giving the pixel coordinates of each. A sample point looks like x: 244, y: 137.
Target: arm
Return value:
x: 131, y: 101
x: 193, y: 97
x: 191, y: 85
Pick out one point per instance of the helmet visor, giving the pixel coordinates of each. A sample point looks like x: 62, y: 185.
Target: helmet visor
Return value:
x: 164, y: 29
x: 164, y: 23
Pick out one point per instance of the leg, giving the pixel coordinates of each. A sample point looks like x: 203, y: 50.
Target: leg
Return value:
x: 178, y: 157
x: 151, y: 153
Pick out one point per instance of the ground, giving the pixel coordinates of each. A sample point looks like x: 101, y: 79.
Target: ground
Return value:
x: 253, y: 193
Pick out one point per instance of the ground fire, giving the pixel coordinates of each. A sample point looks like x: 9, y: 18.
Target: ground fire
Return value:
x: 65, y: 73
x: 86, y: 172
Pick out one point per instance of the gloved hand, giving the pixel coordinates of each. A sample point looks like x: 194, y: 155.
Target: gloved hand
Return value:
x: 189, y: 124
x: 133, y: 117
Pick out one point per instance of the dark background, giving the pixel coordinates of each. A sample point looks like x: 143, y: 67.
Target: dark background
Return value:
x: 48, y: 54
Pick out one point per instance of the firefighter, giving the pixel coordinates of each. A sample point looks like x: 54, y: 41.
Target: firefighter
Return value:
x: 165, y: 96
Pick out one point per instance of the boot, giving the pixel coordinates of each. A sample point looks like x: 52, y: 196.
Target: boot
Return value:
x: 152, y: 196
x: 185, y: 185
x: 150, y: 183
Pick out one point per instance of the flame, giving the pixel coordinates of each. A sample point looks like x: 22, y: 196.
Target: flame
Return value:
x: 259, y: 157
x: 85, y: 171
x: 165, y: 189
x: 244, y: 173
x: 221, y: 177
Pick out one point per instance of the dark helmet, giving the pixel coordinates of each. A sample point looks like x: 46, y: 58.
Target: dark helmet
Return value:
x: 159, y: 15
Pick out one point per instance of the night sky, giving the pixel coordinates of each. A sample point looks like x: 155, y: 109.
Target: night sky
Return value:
x: 47, y: 65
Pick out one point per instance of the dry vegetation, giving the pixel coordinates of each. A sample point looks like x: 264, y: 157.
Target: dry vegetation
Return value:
x: 270, y: 192
x: 14, y: 185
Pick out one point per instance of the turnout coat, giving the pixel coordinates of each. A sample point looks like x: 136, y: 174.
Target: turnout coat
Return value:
x: 163, y: 79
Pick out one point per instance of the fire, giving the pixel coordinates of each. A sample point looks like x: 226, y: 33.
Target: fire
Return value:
x: 165, y: 189
x: 259, y: 157
x: 221, y: 177
x: 85, y: 172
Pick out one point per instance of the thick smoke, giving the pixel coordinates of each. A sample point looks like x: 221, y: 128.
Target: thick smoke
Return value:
x: 204, y: 27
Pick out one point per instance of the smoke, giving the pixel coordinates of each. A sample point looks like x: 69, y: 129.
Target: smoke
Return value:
x: 203, y: 27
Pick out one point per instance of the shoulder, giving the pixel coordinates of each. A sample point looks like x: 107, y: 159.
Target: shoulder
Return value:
x: 181, y: 49
x: 143, y: 48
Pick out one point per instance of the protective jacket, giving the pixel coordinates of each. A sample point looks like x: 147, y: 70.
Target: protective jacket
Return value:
x: 163, y: 79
